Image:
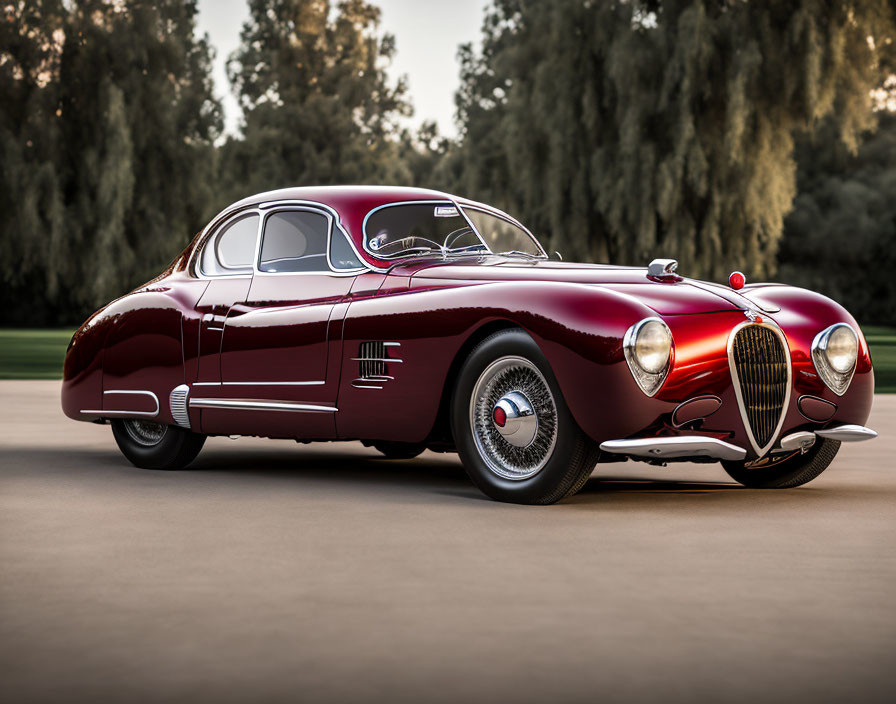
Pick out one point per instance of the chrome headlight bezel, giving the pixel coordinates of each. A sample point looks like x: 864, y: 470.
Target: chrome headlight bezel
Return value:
x: 836, y: 381
x: 649, y: 382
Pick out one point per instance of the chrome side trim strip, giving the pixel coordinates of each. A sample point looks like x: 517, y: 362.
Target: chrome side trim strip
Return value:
x: 101, y: 413
x: 760, y: 451
x: 132, y: 392
x: 674, y: 447
x: 847, y: 433
x: 259, y: 405
x: 377, y: 359
x: 259, y: 383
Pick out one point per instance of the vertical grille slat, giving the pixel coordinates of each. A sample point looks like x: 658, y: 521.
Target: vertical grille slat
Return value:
x: 762, y: 375
x: 375, y: 363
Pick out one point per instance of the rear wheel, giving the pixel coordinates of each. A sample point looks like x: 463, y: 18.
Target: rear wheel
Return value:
x: 152, y: 445
x: 785, y: 472
x: 514, y: 432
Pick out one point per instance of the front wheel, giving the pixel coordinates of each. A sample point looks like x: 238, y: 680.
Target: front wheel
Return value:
x: 152, y: 445
x: 514, y: 432
x: 785, y: 472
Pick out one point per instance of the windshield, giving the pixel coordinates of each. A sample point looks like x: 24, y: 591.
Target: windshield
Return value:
x: 502, y: 235
x: 420, y: 229
x: 408, y: 229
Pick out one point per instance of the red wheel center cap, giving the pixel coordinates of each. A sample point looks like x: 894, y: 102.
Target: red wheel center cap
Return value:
x: 500, y: 416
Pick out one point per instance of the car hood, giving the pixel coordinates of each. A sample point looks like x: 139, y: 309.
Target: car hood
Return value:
x: 679, y: 297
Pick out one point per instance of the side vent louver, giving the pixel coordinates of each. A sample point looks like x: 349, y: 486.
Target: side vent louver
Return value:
x: 178, y: 401
x: 374, y: 364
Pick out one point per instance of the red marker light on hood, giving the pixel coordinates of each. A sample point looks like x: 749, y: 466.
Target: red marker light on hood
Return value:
x: 737, y: 280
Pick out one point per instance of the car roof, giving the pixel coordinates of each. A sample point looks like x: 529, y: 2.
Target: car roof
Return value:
x: 351, y: 204
x: 335, y: 195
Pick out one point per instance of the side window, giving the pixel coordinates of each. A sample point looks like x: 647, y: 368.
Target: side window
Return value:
x: 294, y: 240
x: 231, y: 250
x: 342, y: 256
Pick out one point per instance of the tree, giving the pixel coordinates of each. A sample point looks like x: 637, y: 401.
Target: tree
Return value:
x: 318, y: 108
x: 32, y: 233
x: 113, y: 113
x: 625, y: 131
x: 841, y: 236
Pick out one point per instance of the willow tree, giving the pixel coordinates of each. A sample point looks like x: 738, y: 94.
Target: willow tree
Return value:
x: 629, y: 130
x: 318, y: 107
x: 106, y: 149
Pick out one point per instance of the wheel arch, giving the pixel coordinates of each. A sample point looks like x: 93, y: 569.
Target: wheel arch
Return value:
x: 441, y: 431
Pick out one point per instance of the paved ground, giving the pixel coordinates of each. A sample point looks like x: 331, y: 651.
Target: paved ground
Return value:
x: 281, y: 572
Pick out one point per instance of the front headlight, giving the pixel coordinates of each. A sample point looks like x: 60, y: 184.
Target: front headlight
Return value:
x: 834, y: 353
x: 648, y: 349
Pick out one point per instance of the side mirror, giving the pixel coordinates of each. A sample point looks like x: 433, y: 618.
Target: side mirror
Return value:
x: 556, y: 255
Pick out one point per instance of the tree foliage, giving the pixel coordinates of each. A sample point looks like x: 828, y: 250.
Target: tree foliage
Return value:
x: 620, y: 131
x: 106, y: 134
x: 317, y: 105
x: 629, y: 130
x: 840, y: 237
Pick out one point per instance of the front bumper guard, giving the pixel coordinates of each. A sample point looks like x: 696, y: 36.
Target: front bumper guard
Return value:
x: 685, y: 446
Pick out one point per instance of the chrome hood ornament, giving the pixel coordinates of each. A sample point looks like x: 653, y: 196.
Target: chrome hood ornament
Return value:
x: 662, y: 268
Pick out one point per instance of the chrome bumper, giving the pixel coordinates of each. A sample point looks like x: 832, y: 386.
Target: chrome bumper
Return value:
x: 847, y: 433
x: 683, y: 446
x: 677, y: 446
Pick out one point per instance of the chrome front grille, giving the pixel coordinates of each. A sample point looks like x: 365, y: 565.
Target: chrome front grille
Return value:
x: 760, y: 364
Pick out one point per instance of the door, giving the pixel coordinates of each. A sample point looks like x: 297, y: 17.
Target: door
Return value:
x: 277, y: 344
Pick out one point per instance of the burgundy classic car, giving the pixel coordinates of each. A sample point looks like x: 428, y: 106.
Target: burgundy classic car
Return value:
x: 412, y: 319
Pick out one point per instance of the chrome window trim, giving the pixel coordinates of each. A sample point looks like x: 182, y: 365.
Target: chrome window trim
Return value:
x: 779, y: 333
x: 440, y: 201
x: 819, y: 360
x: 211, y: 231
x: 507, y: 218
x: 231, y: 212
x: 132, y: 392
x: 337, y: 221
x: 248, y: 404
x: 275, y: 208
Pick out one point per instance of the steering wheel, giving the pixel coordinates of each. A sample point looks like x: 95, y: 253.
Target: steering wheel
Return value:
x: 456, y: 235
x: 405, y: 243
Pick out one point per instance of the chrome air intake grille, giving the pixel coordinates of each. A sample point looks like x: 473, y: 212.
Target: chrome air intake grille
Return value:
x: 371, y: 360
x: 761, y: 366
x: 375, y: 364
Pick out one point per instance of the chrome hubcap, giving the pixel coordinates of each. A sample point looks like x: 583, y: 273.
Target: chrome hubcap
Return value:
x: 146, y: 432
x: 513, y: 418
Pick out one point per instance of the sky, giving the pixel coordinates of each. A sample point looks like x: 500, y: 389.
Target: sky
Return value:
x: 427, y: 34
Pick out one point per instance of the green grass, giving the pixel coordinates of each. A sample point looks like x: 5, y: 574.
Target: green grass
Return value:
x: 32, y: 354
x: 882, y: 343
x: 38, y: 354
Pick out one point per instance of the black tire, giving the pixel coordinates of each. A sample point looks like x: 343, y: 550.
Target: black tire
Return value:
x: 788, y: 473
x: 566, y: 467
x: 399, y: 450
x: 175, y: 449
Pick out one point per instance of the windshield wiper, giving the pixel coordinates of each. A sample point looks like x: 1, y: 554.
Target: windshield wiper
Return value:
x: 522, y: 254
x: 467, y: 248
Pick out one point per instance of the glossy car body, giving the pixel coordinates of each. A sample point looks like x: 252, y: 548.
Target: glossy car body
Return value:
x: 277, y: 354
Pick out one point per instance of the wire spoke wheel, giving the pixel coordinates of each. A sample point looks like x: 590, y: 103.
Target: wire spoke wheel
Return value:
x: 145, y: 433
x: 513, y: 418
